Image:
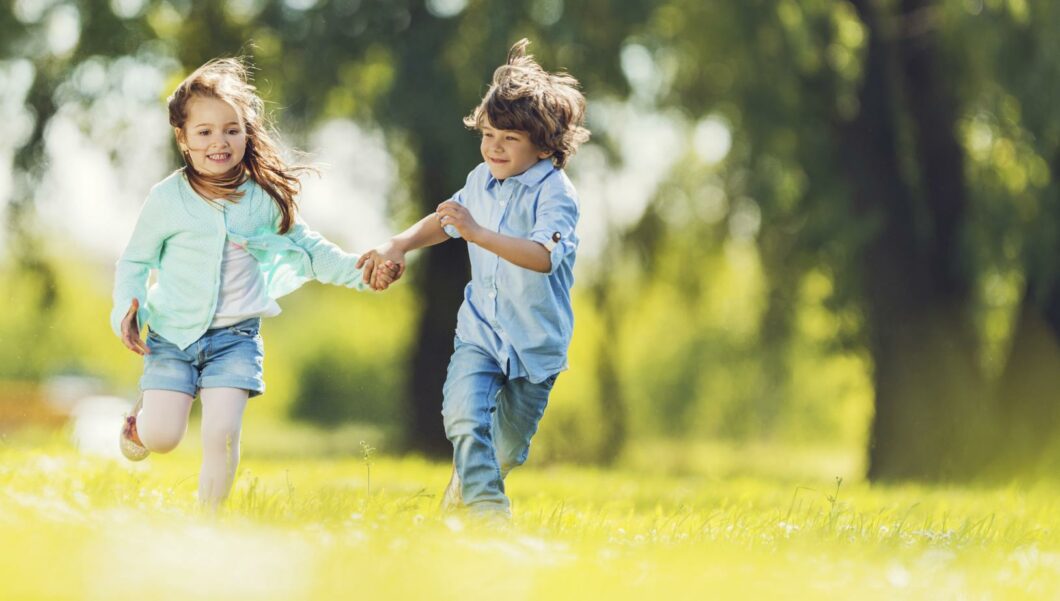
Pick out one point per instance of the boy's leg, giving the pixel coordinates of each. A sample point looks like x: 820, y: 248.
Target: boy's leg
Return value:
x: 470, y: 393
x: 222, y: 421
x: 520, y: 406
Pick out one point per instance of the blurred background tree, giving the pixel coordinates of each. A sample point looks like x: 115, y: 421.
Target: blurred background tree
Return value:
x: 828, y: 222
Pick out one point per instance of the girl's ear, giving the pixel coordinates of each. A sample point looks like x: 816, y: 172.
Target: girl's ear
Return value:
x: 178, y: 133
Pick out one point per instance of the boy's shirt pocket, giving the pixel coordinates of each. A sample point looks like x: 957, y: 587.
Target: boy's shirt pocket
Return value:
x: 518, y: 218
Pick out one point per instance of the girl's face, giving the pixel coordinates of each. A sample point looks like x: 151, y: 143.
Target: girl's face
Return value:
x: 213, y: 135
x: 508, y: 152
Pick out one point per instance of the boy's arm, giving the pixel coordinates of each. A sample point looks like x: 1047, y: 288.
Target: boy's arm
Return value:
x: 522, y: 252
x: 425, y: 232
x: 555, y: 219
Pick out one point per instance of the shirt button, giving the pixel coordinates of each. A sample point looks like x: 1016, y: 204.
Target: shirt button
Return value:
x: 493, y: 294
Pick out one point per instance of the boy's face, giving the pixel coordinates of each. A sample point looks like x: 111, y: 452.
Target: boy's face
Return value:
x: 213, y: 135
x: 508, y: 152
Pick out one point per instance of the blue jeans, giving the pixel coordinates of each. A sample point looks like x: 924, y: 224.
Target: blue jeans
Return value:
x: 490, y: 420
x: 229, y: 357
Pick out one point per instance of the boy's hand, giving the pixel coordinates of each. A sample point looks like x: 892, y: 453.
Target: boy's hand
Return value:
x: 455, y: 214
x: 130, y: 331
x: 382, y: 266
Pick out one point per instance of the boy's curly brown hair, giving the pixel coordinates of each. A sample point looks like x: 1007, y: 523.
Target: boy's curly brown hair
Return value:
x: 525, y: 97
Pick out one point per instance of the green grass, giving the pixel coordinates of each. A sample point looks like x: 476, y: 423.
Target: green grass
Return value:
x: 82, y: 527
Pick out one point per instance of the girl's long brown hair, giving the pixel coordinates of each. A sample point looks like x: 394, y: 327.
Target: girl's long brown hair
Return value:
x: 227, y: 79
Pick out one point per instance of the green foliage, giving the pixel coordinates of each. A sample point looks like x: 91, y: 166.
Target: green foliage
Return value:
x: 711, y: 327
x: 72, y: 336
x: 337, y: 385
x: 338, y: 356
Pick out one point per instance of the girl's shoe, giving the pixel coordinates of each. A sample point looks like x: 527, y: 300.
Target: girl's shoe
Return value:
x: 129, y: 441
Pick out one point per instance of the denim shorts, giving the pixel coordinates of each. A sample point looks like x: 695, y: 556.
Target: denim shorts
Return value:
x: 229, y: 357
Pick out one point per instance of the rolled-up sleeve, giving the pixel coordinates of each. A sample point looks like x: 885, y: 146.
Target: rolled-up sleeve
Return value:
x: 554, y: 222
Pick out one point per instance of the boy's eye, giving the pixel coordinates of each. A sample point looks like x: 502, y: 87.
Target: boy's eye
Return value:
x: 204, y: 132
x: 512, y: 138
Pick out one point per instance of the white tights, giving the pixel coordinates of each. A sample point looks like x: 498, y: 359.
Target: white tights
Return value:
x: 163, y: 421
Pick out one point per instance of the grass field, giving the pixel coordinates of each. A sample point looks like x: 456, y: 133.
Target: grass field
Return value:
x: 78, y: 526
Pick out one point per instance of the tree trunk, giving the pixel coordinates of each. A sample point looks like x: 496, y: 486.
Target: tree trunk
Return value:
x: 1029, y: 388
x: 928, y: 389
x: 612, y: 404
x: 440, y: 280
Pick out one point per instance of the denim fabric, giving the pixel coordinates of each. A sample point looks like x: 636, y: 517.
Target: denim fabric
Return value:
x: 490, y: 420
x: 229, y: 357
x: 522, y: 318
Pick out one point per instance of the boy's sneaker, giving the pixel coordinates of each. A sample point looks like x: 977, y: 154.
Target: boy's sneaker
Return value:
x: 452, y: 498
x: 129, y: 441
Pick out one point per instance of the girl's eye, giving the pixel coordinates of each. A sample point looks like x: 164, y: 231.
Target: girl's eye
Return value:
x: 204, y: 132
x: 233, y: 132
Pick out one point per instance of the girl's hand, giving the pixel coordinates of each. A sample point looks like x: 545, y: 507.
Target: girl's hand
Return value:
x: 130, y: 331
x: 455, y: 214
x: 382, y: 266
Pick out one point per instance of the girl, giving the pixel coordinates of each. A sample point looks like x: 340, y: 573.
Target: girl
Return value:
x: 225, y: 239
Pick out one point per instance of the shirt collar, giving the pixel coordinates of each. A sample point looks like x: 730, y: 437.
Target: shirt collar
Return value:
x: 531, y: 177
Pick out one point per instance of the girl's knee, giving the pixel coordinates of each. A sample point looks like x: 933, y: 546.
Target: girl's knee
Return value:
x: 220, y: 435
x: 159, y: 437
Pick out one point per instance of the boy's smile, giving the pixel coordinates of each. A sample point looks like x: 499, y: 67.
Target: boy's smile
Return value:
x: 508, y: 152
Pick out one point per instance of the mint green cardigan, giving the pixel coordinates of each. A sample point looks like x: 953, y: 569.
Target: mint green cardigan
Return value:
x: 182, y: 236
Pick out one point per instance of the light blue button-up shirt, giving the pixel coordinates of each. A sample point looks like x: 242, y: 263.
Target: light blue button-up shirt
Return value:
x: 519, y: 316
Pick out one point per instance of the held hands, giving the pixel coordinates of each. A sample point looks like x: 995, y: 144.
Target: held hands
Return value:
x: 130, y: 331
x: 455, y: 214
x: 382, y: 266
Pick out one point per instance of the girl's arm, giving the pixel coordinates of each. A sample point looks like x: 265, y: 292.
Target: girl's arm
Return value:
x: 331, y: 264
x: 131, y: 271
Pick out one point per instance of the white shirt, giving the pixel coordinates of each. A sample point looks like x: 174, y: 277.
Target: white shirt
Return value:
x: 243, y: 294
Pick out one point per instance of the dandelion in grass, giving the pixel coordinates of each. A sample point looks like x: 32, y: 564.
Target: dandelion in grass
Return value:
x: 366, y: 455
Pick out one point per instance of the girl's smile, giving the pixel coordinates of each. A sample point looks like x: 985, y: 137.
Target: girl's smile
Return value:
x: 214, y: 138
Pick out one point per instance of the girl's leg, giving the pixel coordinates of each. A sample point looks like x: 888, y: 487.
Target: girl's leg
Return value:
x: 222, y: 420
x: 163, y: 420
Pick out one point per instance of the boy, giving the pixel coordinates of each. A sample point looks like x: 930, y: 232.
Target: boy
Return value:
x: 517, y: 211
